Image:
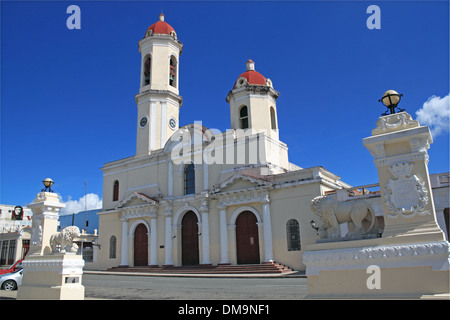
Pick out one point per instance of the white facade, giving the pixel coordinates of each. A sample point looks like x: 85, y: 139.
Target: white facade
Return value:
x: 192, y: 197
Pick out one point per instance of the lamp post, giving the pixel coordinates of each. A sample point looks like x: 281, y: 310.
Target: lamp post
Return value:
x: 391, y: 99
x: 48, y: 185
x: 314, y: 226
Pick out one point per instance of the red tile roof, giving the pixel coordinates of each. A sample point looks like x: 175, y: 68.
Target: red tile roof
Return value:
x: 161, y: 27
x: 253, y: 77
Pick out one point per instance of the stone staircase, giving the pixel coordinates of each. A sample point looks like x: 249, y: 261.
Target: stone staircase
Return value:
x: 264, y: 268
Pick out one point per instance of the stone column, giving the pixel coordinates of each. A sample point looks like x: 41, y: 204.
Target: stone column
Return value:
x: 168, y: 239
x: 124, y: 249
x: 45, y: 207
x: 204, y: 210
x: 205, y: 177
x: 399, y: 146
x: 47, y: 273
x: 232, y: 238
x: 268, y: 247
x: 153, y: 238
x: 170, y: 179
x: 224, y: 259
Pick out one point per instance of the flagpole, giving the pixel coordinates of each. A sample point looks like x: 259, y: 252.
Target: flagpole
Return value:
x: 85, y: 205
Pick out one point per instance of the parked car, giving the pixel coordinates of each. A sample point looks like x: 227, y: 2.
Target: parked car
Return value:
x: 16, y: 266
x: 10, y: 281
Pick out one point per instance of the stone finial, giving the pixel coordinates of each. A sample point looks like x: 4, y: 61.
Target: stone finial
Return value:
x: 250, y: 65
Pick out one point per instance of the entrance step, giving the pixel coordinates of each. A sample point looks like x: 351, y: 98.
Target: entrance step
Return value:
x: 264, y: 268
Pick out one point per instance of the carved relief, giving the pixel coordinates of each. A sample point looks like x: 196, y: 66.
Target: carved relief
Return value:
x: 36, y: 232
x: 405, y: 195
x: 394, y: 122
x: 431, y: 253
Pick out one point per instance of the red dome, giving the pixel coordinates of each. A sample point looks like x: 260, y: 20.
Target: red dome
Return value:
x: 161, y: 27
x: 252, y: 76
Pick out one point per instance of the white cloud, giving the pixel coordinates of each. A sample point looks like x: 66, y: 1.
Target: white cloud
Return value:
x: 91, y: 200
x: 435, y: 113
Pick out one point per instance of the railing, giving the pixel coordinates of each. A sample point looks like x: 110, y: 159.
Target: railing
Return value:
x: 365, y: 190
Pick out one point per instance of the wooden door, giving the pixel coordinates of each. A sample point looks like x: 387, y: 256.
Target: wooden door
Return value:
x: 189, y: 239
x: 140, y: 245
x: 247, y: 241
x: 25, y: 248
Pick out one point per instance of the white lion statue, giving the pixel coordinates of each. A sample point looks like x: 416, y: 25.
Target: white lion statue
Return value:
x: 333, y: 212
x: 65, y: 240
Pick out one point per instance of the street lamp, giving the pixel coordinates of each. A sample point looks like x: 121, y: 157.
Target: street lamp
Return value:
x: 314, y: 225
x: 391, y: 99
x: 48, y: 185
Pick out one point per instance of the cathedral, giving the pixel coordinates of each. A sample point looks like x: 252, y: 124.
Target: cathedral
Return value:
x: 192, y: 196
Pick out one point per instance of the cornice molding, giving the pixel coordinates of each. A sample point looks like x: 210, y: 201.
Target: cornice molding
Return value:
x: 434, y: 254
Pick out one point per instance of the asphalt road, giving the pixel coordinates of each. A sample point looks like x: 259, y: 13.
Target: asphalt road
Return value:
x: 175, y: 288
x: 132, y: 287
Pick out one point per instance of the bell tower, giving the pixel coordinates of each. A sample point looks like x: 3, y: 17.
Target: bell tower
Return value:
x: 253, y: 103
x: 158, y: 100
x: 253, y: 113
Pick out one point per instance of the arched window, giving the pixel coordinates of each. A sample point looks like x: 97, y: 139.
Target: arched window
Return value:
x: 112, y: 247
x: 293, y: 235
x: 273, y: 120
x: 147, y: 67
x: 173, y: 72
x: 243, y: 117
x: 116, y: 191
x: 189, y: 179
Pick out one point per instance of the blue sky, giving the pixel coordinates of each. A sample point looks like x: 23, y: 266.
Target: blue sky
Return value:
x: 67, y: 96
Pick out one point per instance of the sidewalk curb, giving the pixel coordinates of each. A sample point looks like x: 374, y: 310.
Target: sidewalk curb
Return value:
x: 294, y: 274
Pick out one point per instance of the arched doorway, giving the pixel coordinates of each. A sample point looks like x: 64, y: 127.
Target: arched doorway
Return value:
x: 141, y: 245
x: 189, y: 239
x: 247, y: 240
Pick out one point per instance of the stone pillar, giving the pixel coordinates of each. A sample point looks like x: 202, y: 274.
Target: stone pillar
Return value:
x: 205, y: 177
x: 45, y: 209
x: 268, y: 247
x: 124, y: 249
x: 232, y: 238
x: 170, y: 179
x: 224, y: 259
x: 48, y: 274
x: 411, y: 259
x: 204, y: 210
x: 153, y: 238
x: 168, y: 239
x: 399, y: 146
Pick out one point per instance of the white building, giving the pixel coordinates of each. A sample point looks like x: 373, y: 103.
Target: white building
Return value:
x: 193, y: 197
x: 8, y: 224
x: 14, y: 233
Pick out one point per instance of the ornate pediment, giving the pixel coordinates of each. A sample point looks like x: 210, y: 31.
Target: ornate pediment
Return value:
x: 136, y: 199
x: 240, y: 182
